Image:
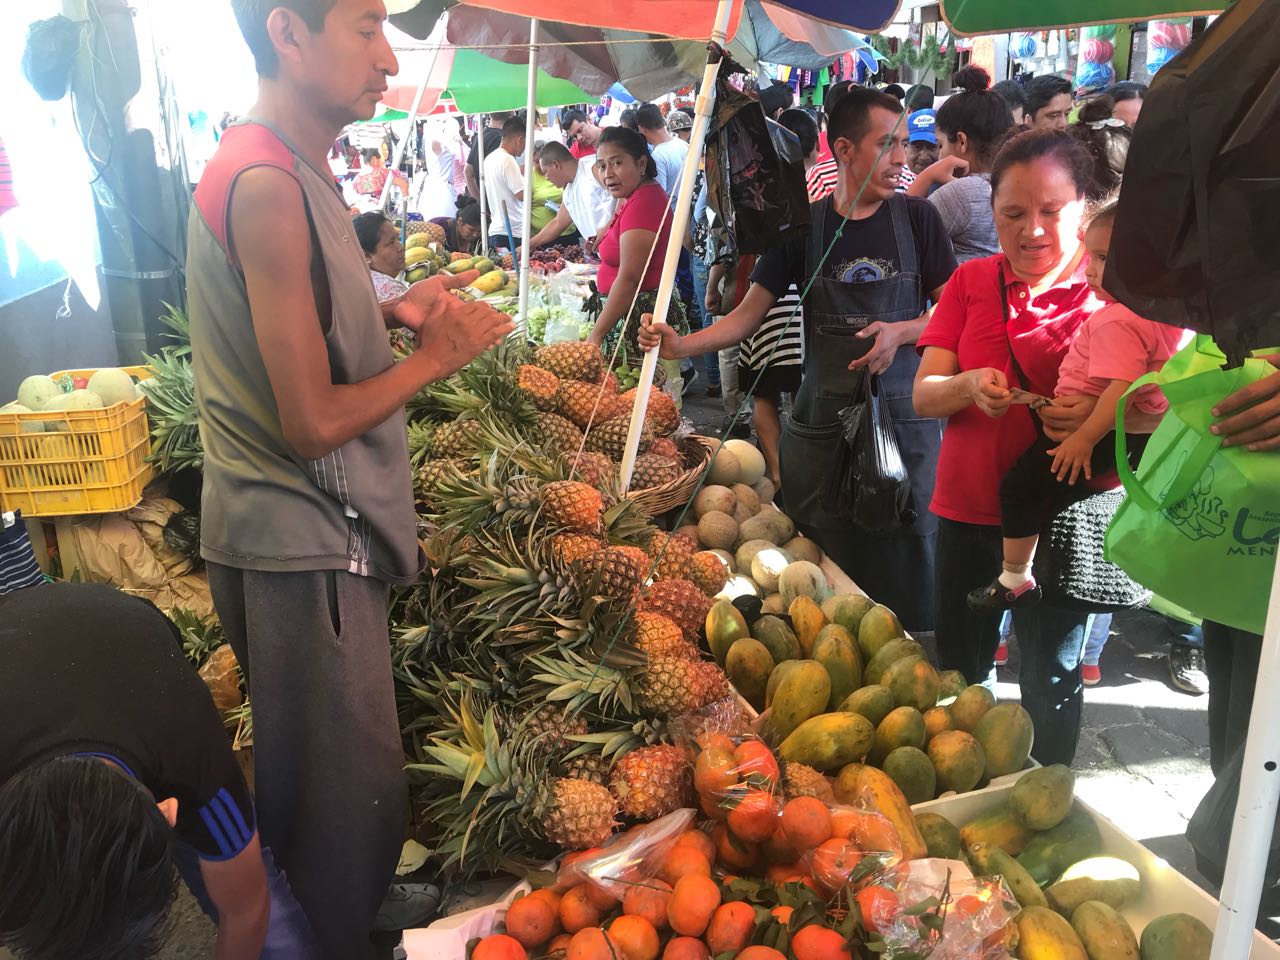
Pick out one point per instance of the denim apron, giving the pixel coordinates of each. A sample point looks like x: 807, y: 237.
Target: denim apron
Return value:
x: 896, y: 569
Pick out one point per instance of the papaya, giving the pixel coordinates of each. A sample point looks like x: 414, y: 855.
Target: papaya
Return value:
x: 970, y: 706
x: 828, y: 741
x: 1000, y: 828
x: 1047, y: 855
x: 1108, y: 880
x: 903, y: 727
x: 460, y: 266
x: 777, y: 637
x: 1006, y: 733
x: 991, y: 861
x: 950, y: 685
x: 959, y: 760
x: 1105, y: 934
x: 877, y: 627
x: 1176, y: 936
x: 775, y: 678
x: 838, y: 652
x: 911, y: 770
x: 807, y: 621
x: 913, y: 681
x: 803, y: 693
x: 936, y: 721
x: 860, y: 785
x: 725, y: 624
x: 1043, y: 935
x: 889, y: 654
x: 847, y: 609
x: 941, y: 836
x: 749, y: 667
x: 873, y: 701
x: 1043, y: 796
x: 485, y: 265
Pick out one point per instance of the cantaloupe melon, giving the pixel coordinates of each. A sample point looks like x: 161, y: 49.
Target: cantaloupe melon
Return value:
x: 36, y: 392
x: 716, y: 497
x: 802, y: 579
x: 802, y: 548
x: 113, y: 386
x: 768, y: 566
x: 750, y: 460
x: 724, y: 468
x: 717, y: 531
x: 747, y: 552
x: 76, y: 400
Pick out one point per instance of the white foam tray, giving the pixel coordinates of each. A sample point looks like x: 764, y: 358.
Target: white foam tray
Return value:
x: 1164, y: 890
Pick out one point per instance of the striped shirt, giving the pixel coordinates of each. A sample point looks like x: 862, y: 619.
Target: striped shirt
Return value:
x: 18, y: 567
x: 822, y: 178
x: 780, y: 340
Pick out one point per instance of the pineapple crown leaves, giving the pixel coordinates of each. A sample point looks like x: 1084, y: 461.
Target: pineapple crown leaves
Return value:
x: 580, y: 684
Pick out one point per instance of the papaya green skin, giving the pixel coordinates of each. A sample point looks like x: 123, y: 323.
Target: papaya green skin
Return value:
x: 970, y: 706
x: 1108, y: 880
x: 872, y: 701
x: 749, y: 667
x: 1048, y: 854
x: 778, y: 638
x: 959, y: 760
x: 725, y: 625
x: 941, y: 836
x: 779, y: 673
x: 903, y: 727
x: 1105, y: 934
x: 951, y: 684
x: 914, y: 683
x: 849, y: 611
x: 1043, y: 935
x: 1176, y: 936
x: 877, y: 627
x: 1006, y: 734
x: 911, y: 770
x: 803, y: 693
x: 991, y: 861
x: 1042, y: 797
x: 838, y: 652
x: 999, y: 828
x: 829, y: 741
x: 889, y: 654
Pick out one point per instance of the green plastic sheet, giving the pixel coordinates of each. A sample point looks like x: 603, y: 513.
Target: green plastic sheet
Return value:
x: 480, y: 84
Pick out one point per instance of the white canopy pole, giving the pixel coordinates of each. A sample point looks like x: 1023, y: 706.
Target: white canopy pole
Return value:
x: 404, y: 141
x: 484, y: 200
x: 530, y: 127
x: 679, y: 223
x: 1256, y: 807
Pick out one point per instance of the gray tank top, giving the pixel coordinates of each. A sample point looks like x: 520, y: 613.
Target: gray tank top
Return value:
x: 264, y: 507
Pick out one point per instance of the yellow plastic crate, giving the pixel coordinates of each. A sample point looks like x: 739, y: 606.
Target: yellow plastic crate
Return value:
x: 85, y: 461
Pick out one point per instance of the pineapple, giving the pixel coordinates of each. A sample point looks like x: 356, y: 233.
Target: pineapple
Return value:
x: 595, y: 767
x: 658, y: 636
x: 673, y: 552
x: 434, y: 472
x: 609, y: 382
x: 610, y: 437
x: 559, y: 434
x: 592, y: 467
x: 579, y: 815
x: 614, y: 572
x: 661, y: 413
x: 671, y: 686
x: 568, y: 503
x: 709, y: 572
x: 457, y: 439
x: 653, y: 471
x: 551, y: 727
x: 455, y: 257
x: 538, y: 385
x: 804, y: 781
x: 586, y: 403
x: 651, y: 782
x: 683, y: 602
x: 572, y: 361
x: 569, y: 548
x: 666, y: 447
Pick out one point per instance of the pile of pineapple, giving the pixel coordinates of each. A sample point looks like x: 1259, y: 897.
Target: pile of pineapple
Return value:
x: 556, y: 632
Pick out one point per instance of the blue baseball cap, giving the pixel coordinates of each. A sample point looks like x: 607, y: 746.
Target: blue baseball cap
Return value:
x: 920, y: 126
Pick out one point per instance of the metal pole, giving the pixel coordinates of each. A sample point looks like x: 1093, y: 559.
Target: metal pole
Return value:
x: 404, y: 142
x: 679, y: 223
x: 530, y: 124
x: 1256, y: 806
x: 484, y: 200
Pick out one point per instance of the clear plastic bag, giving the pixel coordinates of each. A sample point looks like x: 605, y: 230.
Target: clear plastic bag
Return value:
x: 629, y: 858
x: 937, y: 908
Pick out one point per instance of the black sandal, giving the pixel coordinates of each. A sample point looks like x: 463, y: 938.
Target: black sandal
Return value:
x: 996, y: 597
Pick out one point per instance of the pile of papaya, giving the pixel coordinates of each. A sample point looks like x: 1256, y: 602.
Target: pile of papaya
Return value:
x: 840, y: 682
x: 1049, y: 851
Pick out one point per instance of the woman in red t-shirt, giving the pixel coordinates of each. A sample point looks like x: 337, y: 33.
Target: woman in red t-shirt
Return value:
x: 1026, y: 303
x: 634, y: 244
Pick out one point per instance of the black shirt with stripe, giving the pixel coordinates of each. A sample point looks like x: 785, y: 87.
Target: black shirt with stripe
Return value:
x: 87, y: 670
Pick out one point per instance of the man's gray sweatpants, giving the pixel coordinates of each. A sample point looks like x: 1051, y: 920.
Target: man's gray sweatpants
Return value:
x: 330, y: 790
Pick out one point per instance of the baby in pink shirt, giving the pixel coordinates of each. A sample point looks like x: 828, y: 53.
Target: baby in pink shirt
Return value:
x: 1114, y: 348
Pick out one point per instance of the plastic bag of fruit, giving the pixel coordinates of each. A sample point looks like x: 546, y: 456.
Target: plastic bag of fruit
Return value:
x: 629, y: 858
x: 731, y: 764
x: 937, y: 908
x: 841, y: 848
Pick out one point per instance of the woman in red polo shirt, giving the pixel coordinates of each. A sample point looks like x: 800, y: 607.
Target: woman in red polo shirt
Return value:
x: 1030, y: 299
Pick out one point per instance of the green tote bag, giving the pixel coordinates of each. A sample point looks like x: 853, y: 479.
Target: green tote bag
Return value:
x: 1201, y: 522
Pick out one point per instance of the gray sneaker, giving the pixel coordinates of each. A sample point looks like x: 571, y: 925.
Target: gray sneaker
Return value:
x: 1186, y: 669
x: 408, y: 906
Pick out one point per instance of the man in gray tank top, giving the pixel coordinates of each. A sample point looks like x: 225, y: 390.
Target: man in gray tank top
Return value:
x: 308, y: 506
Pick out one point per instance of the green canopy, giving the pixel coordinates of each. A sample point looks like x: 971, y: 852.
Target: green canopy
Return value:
x: 480, y: 84
x: 1005, y: 16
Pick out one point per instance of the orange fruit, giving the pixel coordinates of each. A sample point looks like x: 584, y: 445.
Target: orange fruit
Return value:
x: 592, y: 943
x: 781, y: 873
x: 549, y: 896
x: 843, y: 821
x: 833, y: 861
x: 730, y: 927
x: 700, y: 842
x: 648, y: 900
x: 693, y: 900
x: 710, y: 807
x: 968, y: 906
x: 499, y: 946
x: 569, y: 875
x: 878, y: 905
x: 716, y: 741
x: 819, y: 943
x: 558, y: 943
x: 754, y: 760
x: 778, y: 849
x: 754, y: 817
x: 714, y: 772
x: 601, y: 896
x: 782, y: 914
x: 532, y: 921
x: 636, y: 938
x: 578, y: 911
x: 806, y: 822
x: 875, y: 832
x: 682, y: 860
x: 760, y: 953
x: 732, y: 852
x: 686, y: 948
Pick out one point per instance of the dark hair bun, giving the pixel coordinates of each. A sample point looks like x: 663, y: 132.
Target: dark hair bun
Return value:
x: 1099, y: 108
x: 972, y: 79
x: 464, y: 201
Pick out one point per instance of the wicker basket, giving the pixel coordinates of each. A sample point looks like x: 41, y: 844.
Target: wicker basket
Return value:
x: 697, y: 452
